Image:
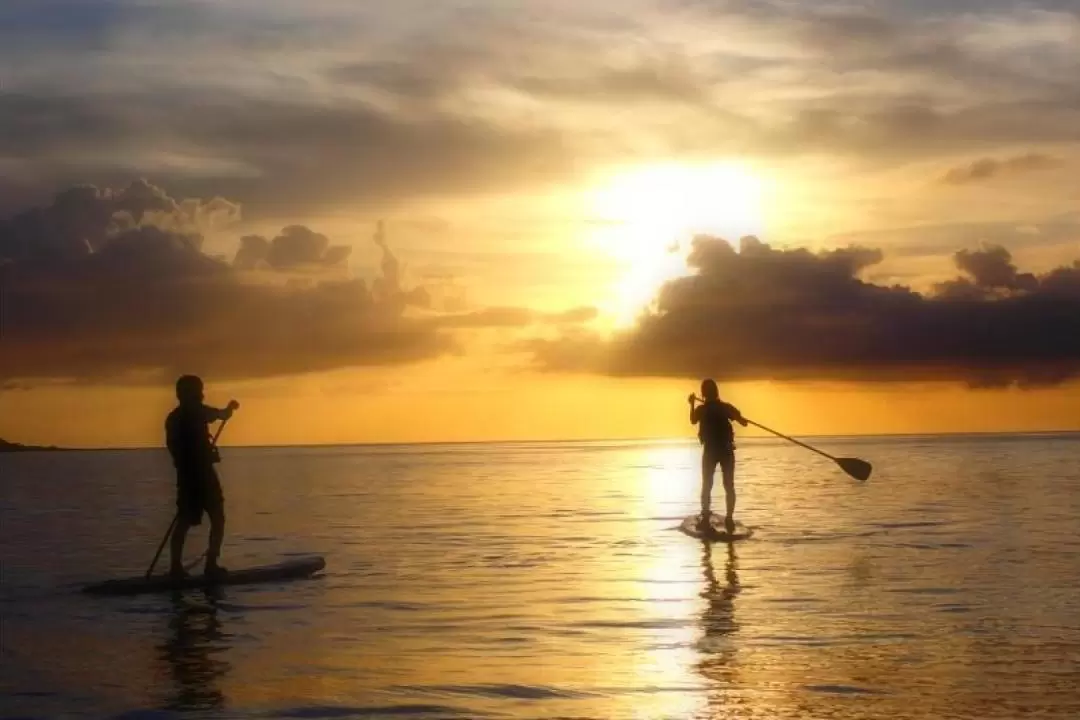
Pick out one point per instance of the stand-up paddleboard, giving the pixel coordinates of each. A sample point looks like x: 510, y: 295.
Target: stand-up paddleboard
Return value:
x: 715, y: 532
x: 287, y: 570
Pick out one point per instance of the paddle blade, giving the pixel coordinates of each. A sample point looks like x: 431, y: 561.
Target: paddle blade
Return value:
x: 856, y: 468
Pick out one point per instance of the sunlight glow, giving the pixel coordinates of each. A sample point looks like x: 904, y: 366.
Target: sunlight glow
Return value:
x: 648, y: 215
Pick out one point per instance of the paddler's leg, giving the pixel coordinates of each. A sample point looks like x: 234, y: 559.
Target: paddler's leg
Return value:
x: 708, y: 470
x: 176, y: 547
x: 188, y: 513
x: 727, y: 469
x: 215, y: 510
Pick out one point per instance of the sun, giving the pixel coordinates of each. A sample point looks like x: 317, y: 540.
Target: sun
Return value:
x: 646, y: 216
x: 722, y: 199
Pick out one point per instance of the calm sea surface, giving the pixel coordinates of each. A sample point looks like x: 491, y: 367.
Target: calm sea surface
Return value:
x: 548, y: 581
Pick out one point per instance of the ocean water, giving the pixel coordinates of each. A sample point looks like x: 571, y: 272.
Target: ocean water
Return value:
x: 547, y: 581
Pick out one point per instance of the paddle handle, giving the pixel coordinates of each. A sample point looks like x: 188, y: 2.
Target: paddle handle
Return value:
x: 213, y: 442
x: 791, y: 439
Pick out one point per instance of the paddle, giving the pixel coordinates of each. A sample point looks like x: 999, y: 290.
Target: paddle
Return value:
x: 856, y: 468
x: 150, y: 570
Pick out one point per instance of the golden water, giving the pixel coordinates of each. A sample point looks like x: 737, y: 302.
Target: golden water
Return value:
x: 546, y: 580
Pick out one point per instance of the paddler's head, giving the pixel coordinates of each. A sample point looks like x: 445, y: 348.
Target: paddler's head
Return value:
x: 709, y: 391
x: 189, y: 390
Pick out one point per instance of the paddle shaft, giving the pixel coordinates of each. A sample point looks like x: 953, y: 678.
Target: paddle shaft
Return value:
x: 150, y: 570
x: 791, y: 439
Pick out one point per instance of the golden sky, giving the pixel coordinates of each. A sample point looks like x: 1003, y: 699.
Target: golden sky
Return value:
x: 564, y: 194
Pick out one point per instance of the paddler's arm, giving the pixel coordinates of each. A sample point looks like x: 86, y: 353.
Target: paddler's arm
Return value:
x: 694, y: 414
x: 213, y: 414
x: 736, y: 415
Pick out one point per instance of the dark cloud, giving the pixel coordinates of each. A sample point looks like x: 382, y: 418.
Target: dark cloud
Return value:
x: 280, y: 158
x: 112, y: 285
x: 296, y: 248
x: 988, y: 168
x: 1062, y: 230
x: 990, y: 274
x: 763, y: 313
x: 399, y: 79
x: 883, y: 129
x: 82, y: 220
x: 42, y: 126
x: 90, y: 298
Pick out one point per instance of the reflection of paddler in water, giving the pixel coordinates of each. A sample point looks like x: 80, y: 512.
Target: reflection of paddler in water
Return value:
x: 192, y: 653
x: 718, y: 624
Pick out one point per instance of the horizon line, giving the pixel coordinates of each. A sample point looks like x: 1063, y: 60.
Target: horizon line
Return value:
x: 565, y: 441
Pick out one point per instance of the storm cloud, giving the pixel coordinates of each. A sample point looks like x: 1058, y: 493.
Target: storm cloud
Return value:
x: 765, y: 313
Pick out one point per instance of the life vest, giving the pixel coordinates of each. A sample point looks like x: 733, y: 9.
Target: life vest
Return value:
x: 714, y: 425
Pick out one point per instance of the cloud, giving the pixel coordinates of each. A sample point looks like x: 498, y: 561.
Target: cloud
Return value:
x: 103, y: 284
x: 763, y: 313
x: 295, y: 110
x: 83, y: 219
x: 112, y: 285
x: 297, y: 247
x: 988, y: 168
x: 1061, y: 229
x: 991, y: 274
x: 297, y: 157
x: 886, y: 129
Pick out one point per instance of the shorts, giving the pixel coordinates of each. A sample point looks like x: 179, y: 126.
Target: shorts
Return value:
x: 197, y: 493
x: 724, y: 456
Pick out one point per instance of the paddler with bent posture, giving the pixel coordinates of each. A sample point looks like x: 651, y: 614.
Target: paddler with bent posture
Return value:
x: 713, y: 418
x: 198, y: 489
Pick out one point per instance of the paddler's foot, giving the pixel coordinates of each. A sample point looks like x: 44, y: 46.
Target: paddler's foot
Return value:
x: 729, y: 525
x: 215, y: 572
x: 704, y: 521
x: 177, y: 574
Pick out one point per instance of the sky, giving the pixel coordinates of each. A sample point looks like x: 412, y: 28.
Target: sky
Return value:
x: 416, y: 221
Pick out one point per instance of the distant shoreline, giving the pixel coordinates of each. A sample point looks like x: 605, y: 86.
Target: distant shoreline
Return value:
x: 10, y: 447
